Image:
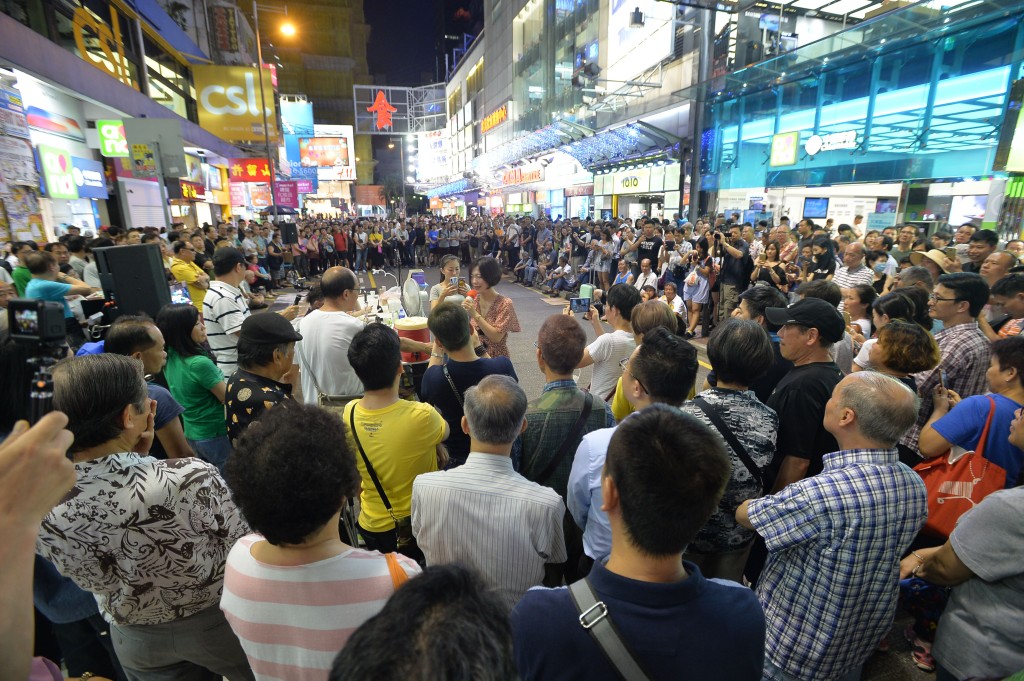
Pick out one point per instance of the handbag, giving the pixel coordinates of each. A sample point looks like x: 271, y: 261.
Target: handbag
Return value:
x: 403, y: 526
x: 335, y: 403
x: 691, y: 279
x: 957, y: 482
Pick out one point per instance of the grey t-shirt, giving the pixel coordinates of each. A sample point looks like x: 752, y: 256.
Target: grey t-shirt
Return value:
x: 981, y: 633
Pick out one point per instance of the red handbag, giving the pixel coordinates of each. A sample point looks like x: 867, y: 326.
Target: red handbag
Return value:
x: 956, y: 484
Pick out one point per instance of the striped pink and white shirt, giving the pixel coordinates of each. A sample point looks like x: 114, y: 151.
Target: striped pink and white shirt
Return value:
x: 292, y: 621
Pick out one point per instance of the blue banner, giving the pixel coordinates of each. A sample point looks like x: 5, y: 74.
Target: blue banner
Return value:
x: 296, y: 122
x: 89, y: 178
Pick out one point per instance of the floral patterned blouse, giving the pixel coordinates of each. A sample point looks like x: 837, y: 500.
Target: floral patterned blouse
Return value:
x: 148, y: 537
x: 502, y: 316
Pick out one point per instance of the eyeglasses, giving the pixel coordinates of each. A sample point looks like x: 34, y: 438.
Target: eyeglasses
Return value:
x: 936, y: 298
x: 624, y: 365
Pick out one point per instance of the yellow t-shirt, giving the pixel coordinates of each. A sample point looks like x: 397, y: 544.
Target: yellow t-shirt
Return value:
x: 188, y: 273
x: 621, y: 408
x: 400, y: 441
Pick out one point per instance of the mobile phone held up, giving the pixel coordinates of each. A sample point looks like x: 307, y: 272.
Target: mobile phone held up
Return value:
x: 579, y: 305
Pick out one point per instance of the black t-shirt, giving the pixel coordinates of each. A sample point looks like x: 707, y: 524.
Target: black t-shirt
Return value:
x: 577, y: 250
x: 248, y: 396
x: 436, y: 390
x: 799, y: 400
x: 649, y: 249
x: 736, y: 271
x: 823, y: 266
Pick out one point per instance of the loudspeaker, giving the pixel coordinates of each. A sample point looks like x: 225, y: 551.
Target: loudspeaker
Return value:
x: 133, y: 277
x: 289, y: 233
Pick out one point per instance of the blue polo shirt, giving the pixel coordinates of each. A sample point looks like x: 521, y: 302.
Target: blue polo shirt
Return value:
x: 44, y: 289
x: 695, y: 629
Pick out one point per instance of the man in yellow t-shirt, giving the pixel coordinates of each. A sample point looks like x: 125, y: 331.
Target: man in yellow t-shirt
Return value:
x: 398, y: 437
x: 185, y: 270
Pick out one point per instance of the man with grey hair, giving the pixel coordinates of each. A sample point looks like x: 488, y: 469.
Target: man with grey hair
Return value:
x: 918, y: 275
x: 485, y: 515
x: 835, y: 540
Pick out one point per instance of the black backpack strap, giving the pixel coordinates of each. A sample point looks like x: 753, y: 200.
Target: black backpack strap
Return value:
x: 455, y: 390
x: 727, y: 434
x: 369, y: 466
x: 588, y: 405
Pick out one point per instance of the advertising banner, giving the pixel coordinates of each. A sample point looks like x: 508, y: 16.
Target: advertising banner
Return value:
x: 166, y: 134
x: 304, y: 186
x: 57, y: 173
x: 296, y: 123
x: 192, y: 191
x: 17, y: 163
x: 237, y: 194
x: 286, y: 194
x: 12, y: 114
x: 331, y: 152
x: 90, y: 180
x: 143, y: 161
x: 228, y: 99
x: 260, y: 196
x: 249, y: 170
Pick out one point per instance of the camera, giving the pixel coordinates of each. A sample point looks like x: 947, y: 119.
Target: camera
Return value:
x: 36, y: 322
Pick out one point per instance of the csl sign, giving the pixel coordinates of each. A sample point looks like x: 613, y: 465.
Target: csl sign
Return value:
x: 229, y: 102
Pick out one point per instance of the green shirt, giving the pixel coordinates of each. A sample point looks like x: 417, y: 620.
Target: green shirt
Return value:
x: 21, y: 277
x: 190, y: 380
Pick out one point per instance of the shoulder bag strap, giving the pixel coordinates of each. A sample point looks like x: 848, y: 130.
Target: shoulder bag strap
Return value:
x: 312, y: 376
x: 398, y: 575
x: 723, y: 429
x: 455, y: 390
x: 595, y: 619
x: 369, y: 466
x: 573, y: 435
x: 980, y: 449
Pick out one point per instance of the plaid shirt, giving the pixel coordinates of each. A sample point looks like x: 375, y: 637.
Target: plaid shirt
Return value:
x: 966, y: 354
x: 549, y: 420
x: 834, y: 543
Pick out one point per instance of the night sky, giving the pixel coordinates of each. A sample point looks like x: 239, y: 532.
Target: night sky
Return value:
x: 401, y: 39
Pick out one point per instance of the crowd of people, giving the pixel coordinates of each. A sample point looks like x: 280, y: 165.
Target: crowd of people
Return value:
x: 268, y: 495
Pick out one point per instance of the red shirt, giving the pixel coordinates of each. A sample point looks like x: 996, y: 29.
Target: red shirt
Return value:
x: 340, y: 244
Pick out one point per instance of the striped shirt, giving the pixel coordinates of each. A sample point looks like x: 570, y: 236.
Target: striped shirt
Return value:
x: 224, y: 310
x: 488, y: 517
x: 834, y: 543
x: 292, y: 621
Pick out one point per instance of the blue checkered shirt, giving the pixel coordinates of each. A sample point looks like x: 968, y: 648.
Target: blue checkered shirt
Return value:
x: 834, y: 543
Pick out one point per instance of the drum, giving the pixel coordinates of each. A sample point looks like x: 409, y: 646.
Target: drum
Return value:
x: 416, y: 329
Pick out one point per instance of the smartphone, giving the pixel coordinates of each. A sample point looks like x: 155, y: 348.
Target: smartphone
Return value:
x: 579, y: 305
x: 670, y: 245
x: 462, y: 283
x: 453, y: 281
x: 950, y: 252
x: 298, y: 298
x: 943, y: 378
x: 846, y: 318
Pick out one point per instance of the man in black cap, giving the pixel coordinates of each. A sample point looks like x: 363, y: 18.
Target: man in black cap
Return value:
x: 807, y: 331
x: 266, y: 350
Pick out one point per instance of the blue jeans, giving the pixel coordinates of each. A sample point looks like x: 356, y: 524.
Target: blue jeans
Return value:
x: 215, y: 450
x: 361, y: 259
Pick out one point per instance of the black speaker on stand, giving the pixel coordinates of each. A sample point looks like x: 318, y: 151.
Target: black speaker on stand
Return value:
x: 133, y: 277
x: 289, y: 233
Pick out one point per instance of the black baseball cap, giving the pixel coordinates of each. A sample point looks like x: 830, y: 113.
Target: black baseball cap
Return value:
x: 813, y: 313
x: 268, y: 328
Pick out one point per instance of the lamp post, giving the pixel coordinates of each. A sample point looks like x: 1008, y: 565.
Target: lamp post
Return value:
x: 289, y: 30
x: 401, y: 159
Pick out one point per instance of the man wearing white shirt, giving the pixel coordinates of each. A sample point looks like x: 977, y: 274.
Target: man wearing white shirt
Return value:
x: 610, y: 349
x: 327, y: 333
x: 485, y: 515
x: 647, y: 277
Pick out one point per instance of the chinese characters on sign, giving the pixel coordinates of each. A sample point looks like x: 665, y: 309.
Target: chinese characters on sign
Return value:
x: 520, y: 176
x: 249, y: 170
x: 225, y: 29
x: 383, y: 109
x: 143, y: 161
x: 237, y: 194
x: 494, y: 119
x: 192, y: 191
x: 286, y: 194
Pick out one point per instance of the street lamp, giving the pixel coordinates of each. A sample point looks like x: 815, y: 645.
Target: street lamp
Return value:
x: 401, y: 159
x: 288, y: 29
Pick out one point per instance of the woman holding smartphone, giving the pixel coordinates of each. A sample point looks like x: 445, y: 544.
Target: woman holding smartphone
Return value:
x: 446, y: 290
x: 768, y: 270
x: 697, y: 289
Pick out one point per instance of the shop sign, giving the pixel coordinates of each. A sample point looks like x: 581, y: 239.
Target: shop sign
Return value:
x: 632, y: 181
x: 17, y: 163
x: 237, y: 192
x: 304, y: 186
x: 249, y: 170
x: 113, y: 142
x: 785, y: 147
x: 837, y: 140
x: 580, y: 190
x: 57, y: 173
x: 143, y: 161
x: 90, y: 180
x: 228, y: 102
x: 286, y: 194
x: 382, y: 107
x: 494, y: 119
x: 12, y: 114
x: 523, y: 175
x: 101, y: 44
x: 435, y: 203
x: 192, y: 191
x: 225, y: 28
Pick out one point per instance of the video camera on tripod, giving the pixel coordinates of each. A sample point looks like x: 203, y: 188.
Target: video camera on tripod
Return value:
x: 39, y: 325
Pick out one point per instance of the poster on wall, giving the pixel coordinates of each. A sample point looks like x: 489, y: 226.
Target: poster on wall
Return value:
x: 286, y: 194
x: 259, y: 195
x: 143, y: 161
x: 13, y: 122
x: 23, y: 214
x: 237, y: 192
x: 17, y: 163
